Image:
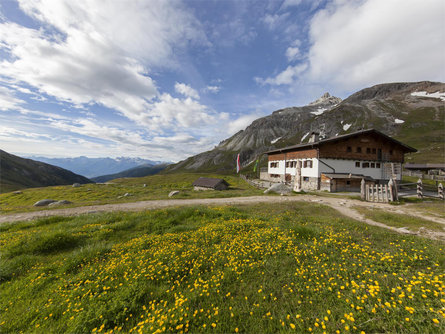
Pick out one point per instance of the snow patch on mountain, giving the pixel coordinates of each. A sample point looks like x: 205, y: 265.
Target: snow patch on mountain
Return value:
x: 346, y: 127
x: 275, y: 140
x: 399, y: 121
x: 319, y: 111
x: 304, y: 137
x: 436, y: 95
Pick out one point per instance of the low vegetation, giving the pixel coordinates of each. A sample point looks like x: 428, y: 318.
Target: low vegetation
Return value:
x: 263, y: 268
x: 156, y: 187
x: 400, y: 220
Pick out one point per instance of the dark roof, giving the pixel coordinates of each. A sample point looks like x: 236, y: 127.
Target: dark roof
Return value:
x: 347, y: 176
x: 424, y: 166
x: 338, y: 138
x: 208, y: 182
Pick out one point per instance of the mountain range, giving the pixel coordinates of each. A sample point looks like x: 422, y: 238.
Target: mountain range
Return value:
x: 94, y: 167
x: 18, y: 173
x: 413, y: 113
x: 139, y: 171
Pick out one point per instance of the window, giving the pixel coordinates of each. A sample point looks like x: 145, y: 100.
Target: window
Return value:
x: 377, y: 165
x: 274, y: 175
x: 348, y: 182
x: 307, y: 164
x: 365, y: 165
x: 374, y: 151
x: 349, y: 149
x: 306, y: 178
x: 372, y: 165
x: 359, y: 149
x: 368, y: 150
x: 274, y: 165
x: 390, y: 152
x: 357, y: 164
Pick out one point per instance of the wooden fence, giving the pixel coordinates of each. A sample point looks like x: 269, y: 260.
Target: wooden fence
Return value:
x: 378, y: 193
x: 392, y: 191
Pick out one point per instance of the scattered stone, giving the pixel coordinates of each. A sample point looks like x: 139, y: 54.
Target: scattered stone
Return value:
x: 18, y: 192
x: 279, y: 188
x: 127, y: 194
x: 44, y: 202
x: 59, y: 203
x: 76, y: 185
x: 173, y: 193
x: 144, y: 185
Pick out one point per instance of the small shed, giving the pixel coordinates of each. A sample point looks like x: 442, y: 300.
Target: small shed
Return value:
x: 208, y: 183
x: 343, y: 182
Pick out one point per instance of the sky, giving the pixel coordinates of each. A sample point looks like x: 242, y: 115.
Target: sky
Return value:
x: 164, y: 80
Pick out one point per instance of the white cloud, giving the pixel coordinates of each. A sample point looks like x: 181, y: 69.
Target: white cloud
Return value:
x: 286, y: 77
x: 362, y: 43
x: 293, y: 52
x: 82, y: 54
x: 8, y: 100
x: 212, y: 89
x: 241, y: 123
x: 186, y: 90
x: 176, y: 113
x: 275, y: 21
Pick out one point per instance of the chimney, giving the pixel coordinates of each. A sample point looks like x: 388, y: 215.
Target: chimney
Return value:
x: 314, y: 137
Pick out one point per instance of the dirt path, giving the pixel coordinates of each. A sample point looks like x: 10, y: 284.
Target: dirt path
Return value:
x: 343, y: 205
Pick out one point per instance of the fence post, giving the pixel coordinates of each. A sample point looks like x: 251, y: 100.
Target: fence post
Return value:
x: 362, y: 189
x: 391, y: 190
x: 419, y: 189
x: 367, y: 192
x: 440, y: 191
x: 385, y: 197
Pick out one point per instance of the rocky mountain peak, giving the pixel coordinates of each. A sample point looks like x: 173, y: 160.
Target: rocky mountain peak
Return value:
x: 326, y: 99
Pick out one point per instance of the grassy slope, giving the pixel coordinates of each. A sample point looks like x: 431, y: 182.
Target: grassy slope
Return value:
x: 265, y: 268
x: 399, y: 220
x: 424, y: 130
x: 19, y: 173
x: 157, y: 187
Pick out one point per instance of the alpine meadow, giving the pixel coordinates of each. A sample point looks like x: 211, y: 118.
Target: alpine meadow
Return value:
x: 222, y: 167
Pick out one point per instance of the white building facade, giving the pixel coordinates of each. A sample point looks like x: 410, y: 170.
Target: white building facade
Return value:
x: 367, y: 154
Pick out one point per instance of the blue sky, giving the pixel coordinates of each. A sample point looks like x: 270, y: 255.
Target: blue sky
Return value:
x: 165, y: 80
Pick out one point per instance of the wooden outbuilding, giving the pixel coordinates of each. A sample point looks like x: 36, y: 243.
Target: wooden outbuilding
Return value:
x: 208, y: 183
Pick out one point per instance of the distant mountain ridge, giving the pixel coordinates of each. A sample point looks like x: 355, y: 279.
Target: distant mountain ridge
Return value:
x: 413, y: 113
x: 19, y: 173
x: 139, y: 171
x: 93, y: 167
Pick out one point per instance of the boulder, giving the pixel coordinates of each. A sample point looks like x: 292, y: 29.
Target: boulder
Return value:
x: 76, y: 185
x: 18, y: 192
x: 58, y: 203
x: 44, y: 202
x: 279, y: 188
x: 173, y: 193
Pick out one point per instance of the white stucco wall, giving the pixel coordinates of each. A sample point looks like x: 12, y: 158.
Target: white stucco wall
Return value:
x: 348, y: 166
x: 311, y: 172
x: 340, y: 166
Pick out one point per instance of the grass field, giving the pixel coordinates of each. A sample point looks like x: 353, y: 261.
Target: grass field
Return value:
x: 260, y: 269
x: 400, y: 220
x: 157, y: 187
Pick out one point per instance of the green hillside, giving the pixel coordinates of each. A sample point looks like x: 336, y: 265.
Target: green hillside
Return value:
x: 19, y: 173
x: 140, y: 171
x: 156, y: 187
